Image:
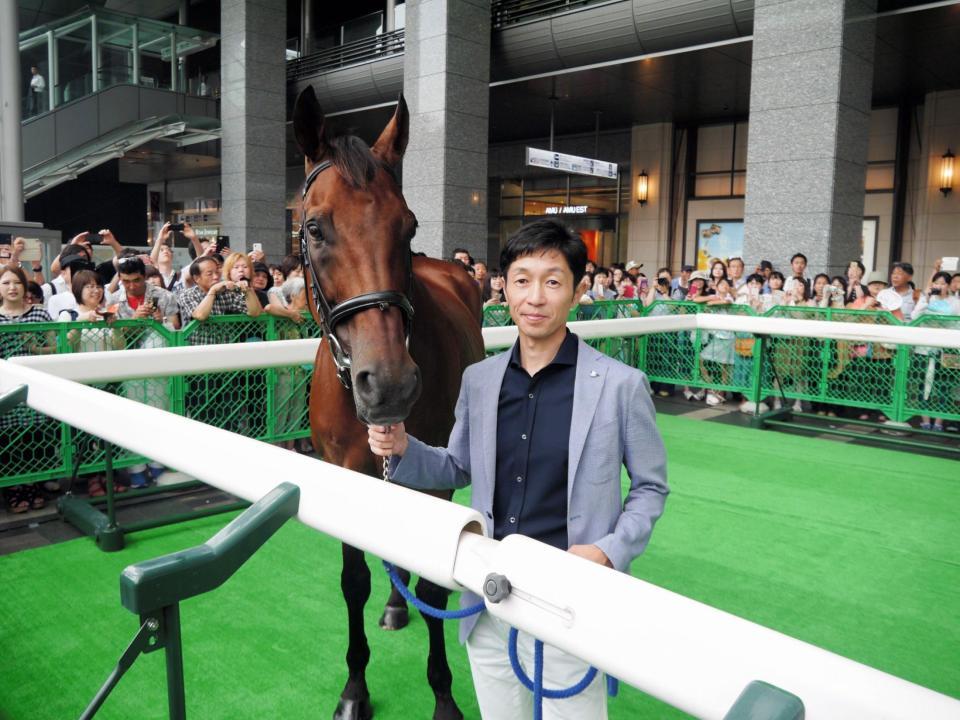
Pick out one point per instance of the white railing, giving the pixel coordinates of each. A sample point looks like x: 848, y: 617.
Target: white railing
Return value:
x: 686, y: 653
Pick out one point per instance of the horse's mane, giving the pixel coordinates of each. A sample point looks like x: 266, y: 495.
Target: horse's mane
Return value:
x: 353, y: 159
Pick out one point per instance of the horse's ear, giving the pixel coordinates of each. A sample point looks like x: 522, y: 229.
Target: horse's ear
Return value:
x: 308, y: 125
x: 392, y: 142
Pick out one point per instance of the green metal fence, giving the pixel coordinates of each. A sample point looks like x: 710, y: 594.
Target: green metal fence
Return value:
x: 901, y: 381
x: 269, y: 405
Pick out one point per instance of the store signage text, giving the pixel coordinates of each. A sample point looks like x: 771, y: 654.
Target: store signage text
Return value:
x: 571, y: 163
x: 567, y: 210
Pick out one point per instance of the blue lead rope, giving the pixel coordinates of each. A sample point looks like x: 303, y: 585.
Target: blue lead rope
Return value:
x: 536, y: 685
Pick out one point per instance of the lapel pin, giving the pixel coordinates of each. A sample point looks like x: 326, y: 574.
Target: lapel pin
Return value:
x: 594, y: 373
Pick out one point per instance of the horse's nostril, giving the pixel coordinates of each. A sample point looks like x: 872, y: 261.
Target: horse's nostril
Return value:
x: 364, y: 381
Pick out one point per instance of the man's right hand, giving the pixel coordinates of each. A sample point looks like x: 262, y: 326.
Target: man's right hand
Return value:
x: 387, y: 440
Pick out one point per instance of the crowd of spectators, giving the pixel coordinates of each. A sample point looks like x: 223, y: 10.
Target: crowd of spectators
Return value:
x: 220, y: 281
x: 132, y: 286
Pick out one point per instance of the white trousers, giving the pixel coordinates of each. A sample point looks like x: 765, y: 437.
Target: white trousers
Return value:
x: 502, y: 697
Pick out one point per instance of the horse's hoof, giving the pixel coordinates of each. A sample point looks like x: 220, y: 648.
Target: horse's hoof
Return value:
x: 353, y: 709
x: 446, y: 709
x: 395, y: 617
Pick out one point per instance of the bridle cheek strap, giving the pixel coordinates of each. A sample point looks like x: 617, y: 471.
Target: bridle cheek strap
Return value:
x: 332, y: 315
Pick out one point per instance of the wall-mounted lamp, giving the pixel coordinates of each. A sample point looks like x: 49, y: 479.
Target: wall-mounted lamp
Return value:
x: 475, y: 197
x: 643, y: 184
x: 946, y: 173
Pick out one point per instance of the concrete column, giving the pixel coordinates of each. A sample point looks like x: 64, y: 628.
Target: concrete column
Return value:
x: 446, y: 74
x: 810, y: 92
x: 650, y: 151
x: 252, y: 107
x: 11, y: 178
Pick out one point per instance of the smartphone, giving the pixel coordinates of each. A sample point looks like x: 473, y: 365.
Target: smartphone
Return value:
x: 222, y: 242
x: 258, y: 247
x: 176, y: 227
x: 93, y: 238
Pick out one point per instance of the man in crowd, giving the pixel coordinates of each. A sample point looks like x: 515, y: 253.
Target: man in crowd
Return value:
x: 144, y: 300
x: 58, y: 294
x: 212, y: 296
x: 735, y: 272
x: 682, y: 280
x: 798, y: 265
x: 765, y: 270
x: 463, y: 256
x: 564, y: 419
x: 901, y: 275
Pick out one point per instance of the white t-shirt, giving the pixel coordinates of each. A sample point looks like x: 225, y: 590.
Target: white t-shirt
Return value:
x: 60, y: 302
x: 908, y: 304
x: 37, y: 83
x: 60, y: 285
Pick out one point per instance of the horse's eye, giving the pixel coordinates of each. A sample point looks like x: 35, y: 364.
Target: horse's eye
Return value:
x: 314, y: 230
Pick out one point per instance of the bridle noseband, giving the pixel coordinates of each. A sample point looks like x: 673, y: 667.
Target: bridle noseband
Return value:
x: 331, y: 315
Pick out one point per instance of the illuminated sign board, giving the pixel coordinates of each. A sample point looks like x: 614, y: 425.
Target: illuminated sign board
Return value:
x: 571, y: 163
x: 567, y: 210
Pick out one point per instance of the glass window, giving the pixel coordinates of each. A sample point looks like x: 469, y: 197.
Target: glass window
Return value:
x: 721, y: 161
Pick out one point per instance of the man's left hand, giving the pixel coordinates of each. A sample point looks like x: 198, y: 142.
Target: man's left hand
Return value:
x: 591, y: 553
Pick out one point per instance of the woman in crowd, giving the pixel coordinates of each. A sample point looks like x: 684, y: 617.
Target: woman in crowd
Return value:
x: 238, y: 268
x: 14, y: 309
x: 939, y: 377
x: 626, y: 288
x: 494, y: 295
x: 660, y: 290
x: 718, y: 271
x: 88, y: 291
x: 776, y: 295
x: 821, y: 293
x: 718, y: 345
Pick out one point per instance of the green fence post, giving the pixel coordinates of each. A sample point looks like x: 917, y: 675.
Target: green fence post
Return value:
x: 901, y: 371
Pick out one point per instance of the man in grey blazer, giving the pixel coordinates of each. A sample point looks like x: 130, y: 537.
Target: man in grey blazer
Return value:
x: 542, y: 432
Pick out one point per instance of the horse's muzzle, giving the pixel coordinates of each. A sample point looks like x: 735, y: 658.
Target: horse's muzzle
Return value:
x: 385, y: 398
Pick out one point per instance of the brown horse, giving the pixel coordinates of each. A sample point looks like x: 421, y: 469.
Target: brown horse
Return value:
x: 390, y: 320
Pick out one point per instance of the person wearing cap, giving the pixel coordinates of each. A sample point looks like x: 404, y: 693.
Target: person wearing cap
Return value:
x: 875, y: 299
x: 633, y: 268
x: 681, y: 283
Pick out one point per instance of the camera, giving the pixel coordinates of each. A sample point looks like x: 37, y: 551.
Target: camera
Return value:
x: 663, y: 282
x: 176, y: 227
x: 94, y: 238
x: 934, y: 291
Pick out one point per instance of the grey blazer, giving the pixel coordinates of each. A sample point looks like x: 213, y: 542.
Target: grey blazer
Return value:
x: 612, y: 426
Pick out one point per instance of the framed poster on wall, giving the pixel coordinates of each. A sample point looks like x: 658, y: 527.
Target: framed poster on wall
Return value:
x: 718, y: 239
x: 868, y: 242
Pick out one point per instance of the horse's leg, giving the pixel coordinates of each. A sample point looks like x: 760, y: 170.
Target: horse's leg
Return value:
x: 355, y: 583
x: 395, y: 614
x: 438, y: 669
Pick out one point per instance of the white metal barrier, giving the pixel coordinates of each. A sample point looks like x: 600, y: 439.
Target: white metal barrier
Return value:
x: 688, y: 654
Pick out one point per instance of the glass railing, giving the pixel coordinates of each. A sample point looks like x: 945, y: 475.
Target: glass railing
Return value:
x: 353, y: 53
x: 94, y: 49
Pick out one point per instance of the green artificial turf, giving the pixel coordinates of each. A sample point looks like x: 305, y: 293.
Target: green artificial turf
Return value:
x: 851, y: 548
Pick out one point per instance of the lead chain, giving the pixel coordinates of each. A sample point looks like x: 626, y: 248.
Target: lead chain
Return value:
x: 386, y: 469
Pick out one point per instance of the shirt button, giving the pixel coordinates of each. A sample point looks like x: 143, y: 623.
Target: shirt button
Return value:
x: 530, y: 396
x: 513, y: 520
x: 519, y: 478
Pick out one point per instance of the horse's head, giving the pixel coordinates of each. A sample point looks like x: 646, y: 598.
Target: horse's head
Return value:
x: 356, y: 234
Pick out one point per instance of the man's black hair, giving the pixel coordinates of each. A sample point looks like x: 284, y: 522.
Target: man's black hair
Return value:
x: 796, y: 255
x: 70, y: 251
x: 131, y: 265
x: 766, y: 265
x: 756, y: 277
x: 544, y: 235
x: 196, y: 267
x: 905, y: 266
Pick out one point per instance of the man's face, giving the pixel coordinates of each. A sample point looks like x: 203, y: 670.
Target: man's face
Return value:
x: 955, y: 283
x: 133, y: 283
x: 799, y: 265
x: 480, y: 271
x: 166, y: 254
x: 685, y: 277
x: 899, y: 277
x: 462, y: 257
x: 540, y: 293
x: 209, y: 275
x: 34, y: 71
x: 736, y: 269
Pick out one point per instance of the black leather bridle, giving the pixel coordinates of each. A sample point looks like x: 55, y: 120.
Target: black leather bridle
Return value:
x: 331, y: 315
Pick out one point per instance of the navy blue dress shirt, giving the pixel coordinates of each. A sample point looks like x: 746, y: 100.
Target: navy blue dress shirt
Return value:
x: 533, y: 438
